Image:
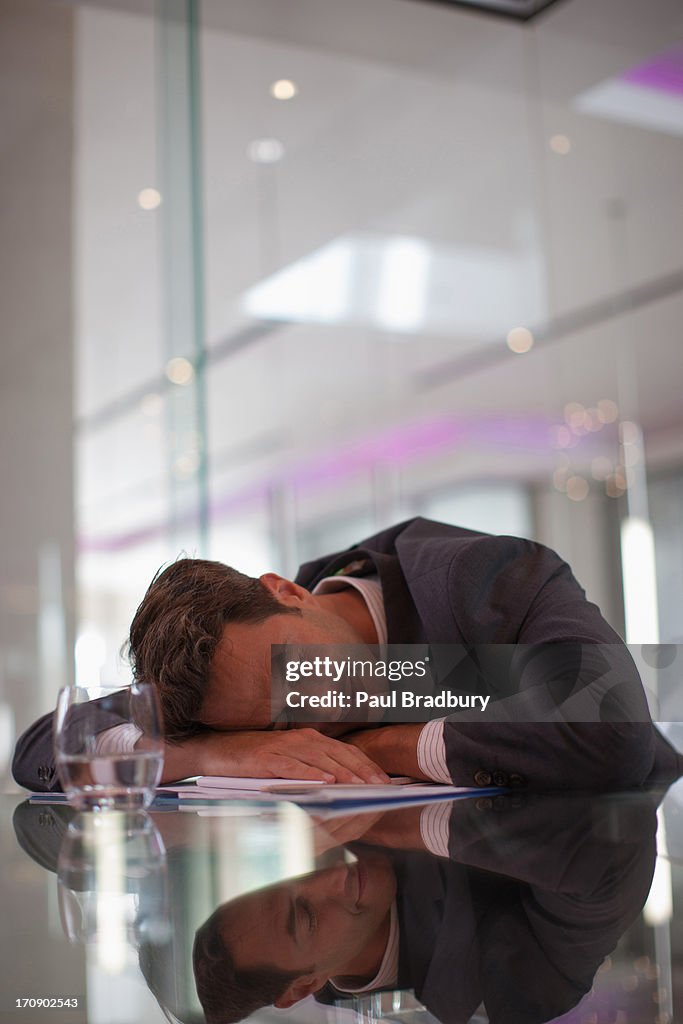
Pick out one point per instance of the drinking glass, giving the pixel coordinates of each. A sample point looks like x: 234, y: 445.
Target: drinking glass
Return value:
x: 94, y: 774
x: 112, y: 881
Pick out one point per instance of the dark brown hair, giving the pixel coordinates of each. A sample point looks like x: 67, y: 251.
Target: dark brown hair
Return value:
x: 177, y: 627
x: 226, y: 992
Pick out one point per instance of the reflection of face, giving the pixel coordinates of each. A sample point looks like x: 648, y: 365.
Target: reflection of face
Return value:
x: 239, y: 692
x: 332, y: 923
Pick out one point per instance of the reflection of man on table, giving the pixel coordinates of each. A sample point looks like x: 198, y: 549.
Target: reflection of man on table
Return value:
x: 203, y: 636
x: 515, y: 905
x: 513, y: 900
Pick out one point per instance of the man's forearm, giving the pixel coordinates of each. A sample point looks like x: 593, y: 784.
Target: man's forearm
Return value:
x: 297, y: 754
x: 183, y: 760
x: 393, y: 748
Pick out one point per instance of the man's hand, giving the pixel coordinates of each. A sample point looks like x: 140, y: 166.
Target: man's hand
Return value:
x: 393, y: 748
x: 297, y: 754
x: 332, y: 833
x: 397, y: 829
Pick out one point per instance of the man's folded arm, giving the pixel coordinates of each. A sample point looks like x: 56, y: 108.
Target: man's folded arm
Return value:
x: 33, y: 765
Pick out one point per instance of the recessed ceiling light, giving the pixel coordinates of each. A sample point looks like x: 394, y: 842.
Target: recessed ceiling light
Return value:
x: 560, y: 478
x: 179, y: 370
x: 629, y: 432
x: 560, y: 144
x: 577, y: 488
x: 592, y: 421
x: 615, y: 485
x: 283, y: 89
x: 607, y: 410
x: 149, y: 199
x: 151, y: 405
x: 561, y: 437
x: 520, y: 340
x: 601, y: 467
x: 186, y: 465
x: 265, y: 151
x: 574, y: 414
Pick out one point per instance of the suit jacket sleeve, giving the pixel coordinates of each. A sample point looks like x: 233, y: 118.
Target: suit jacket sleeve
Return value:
x: 33, y: 765
x: 523, y: 594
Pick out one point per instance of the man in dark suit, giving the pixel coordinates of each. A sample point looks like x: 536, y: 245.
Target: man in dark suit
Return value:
x: 204, y: 631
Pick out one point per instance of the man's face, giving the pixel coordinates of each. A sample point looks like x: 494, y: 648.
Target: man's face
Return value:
x: 239, y: 691
x: 327, y: 924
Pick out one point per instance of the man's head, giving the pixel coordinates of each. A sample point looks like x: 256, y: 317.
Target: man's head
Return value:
x: 280, y: 944
x: 203, y: 633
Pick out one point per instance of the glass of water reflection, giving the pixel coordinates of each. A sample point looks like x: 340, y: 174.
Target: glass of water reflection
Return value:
x: 94, y: 772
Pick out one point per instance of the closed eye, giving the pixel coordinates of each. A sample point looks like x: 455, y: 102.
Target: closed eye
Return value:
x: 308, y: 917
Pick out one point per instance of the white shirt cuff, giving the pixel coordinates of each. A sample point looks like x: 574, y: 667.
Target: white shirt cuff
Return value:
x: 435, y: 827
x: 431, y: 752
x: 120, y: 739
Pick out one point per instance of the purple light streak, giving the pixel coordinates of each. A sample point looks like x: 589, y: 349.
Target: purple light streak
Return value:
x: 399, y: 446
x: 664, y: 73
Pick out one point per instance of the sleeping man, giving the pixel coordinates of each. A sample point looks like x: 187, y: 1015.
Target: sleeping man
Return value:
x: 204, y: 631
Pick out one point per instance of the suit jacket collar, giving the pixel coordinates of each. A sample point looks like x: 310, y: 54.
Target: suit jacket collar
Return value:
x: 413, y: 560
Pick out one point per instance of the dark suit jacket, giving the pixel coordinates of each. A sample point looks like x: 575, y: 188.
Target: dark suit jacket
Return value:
x: 446, y: 585
x: 536, y: 891
x: 530, y: 904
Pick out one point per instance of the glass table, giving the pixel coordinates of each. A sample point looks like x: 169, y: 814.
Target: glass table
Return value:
x: 508, y: 908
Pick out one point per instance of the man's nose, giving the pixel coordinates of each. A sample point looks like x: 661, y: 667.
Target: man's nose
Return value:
x: 330, y: 884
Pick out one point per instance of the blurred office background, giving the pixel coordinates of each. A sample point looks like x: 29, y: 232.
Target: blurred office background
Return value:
x: 278, y: 273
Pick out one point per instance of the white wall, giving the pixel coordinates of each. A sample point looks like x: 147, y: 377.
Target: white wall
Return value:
x: 36, y: 517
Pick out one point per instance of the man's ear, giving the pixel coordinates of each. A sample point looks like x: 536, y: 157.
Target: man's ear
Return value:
x: 285, y: 591
x: 299, y: 989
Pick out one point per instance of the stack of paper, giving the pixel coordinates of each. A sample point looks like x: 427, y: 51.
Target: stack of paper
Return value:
x: 313, y: 794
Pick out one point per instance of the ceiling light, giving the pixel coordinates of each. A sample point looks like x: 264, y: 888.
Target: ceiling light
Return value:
x: 601, y: 467
x: 607, y: 410
x: 629, y: 432
x: 349, y: 280
x: 179, y: 370
x: 520, y: 340
x: 283, y: 89
x: 403, y: 282
x: 560, y: 144
x: 149, y: 199
x: 577, y: 488
x: 574, y: 413
x: 186, y: 465
x: 151, y: 405
x: 615, y: 485
x: 561, y: 437
x: 560, y: 478
x: 265, y: 151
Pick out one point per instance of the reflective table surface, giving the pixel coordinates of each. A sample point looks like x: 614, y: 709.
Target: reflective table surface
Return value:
x: 512, y: 908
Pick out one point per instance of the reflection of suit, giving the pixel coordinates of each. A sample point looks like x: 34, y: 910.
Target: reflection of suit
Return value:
x: 537, y: 892
x: 445, y: 585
